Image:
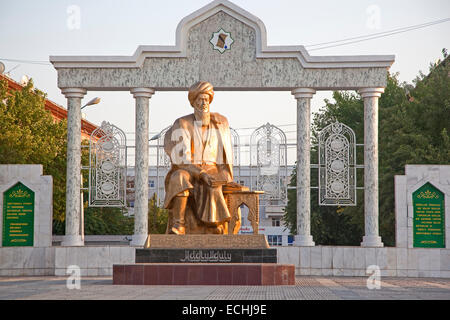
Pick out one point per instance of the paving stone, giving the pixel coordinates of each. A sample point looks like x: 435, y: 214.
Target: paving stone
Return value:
x: 305, y: 288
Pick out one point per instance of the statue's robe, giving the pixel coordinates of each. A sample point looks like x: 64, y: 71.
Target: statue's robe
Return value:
x: 191, y: 152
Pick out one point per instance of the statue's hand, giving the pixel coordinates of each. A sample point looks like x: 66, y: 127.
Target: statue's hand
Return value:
x: 206, y: 178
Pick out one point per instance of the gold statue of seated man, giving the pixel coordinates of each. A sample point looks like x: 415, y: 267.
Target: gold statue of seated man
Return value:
x: 199, y: 147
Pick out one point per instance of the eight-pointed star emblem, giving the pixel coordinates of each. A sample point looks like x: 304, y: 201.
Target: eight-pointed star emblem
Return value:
x: 221, y: 41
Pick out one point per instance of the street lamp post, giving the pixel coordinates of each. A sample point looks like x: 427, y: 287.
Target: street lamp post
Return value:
x: 90, y: 103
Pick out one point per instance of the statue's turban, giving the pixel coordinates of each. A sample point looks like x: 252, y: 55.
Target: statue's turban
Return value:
x: 199, y: 88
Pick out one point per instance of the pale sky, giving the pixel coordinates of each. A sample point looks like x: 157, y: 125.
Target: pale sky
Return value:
x: 34, y: 30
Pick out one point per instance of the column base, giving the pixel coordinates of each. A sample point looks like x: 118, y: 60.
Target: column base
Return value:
x: 304, y: 241
x: 372, y: 241
x: 138, y: 240
x: 72, y: 241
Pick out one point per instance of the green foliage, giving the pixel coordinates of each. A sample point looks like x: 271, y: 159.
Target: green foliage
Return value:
x: 414, y: 128
x: 29, y: 135
x: 157, y: 217
x: 290, y: 212
x: 111, y: 221
x: 107, y: 221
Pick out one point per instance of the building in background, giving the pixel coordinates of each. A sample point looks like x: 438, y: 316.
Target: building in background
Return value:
x: 58, y: 112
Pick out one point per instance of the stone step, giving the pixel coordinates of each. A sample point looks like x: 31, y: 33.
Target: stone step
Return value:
x: 257, y: 274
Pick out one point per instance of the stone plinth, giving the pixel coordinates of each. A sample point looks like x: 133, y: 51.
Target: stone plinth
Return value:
x: 30, y: 175
x: 204, y: 274
x: 206, y: 241
x: 206, y: 255
x: 416, y: 176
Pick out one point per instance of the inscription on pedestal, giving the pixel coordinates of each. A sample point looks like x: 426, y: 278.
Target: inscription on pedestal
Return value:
x: 206, y: 255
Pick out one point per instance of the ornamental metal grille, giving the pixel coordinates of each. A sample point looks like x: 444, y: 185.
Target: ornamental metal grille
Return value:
x: 268, y: 154
x: 235, y: 140
x: 337, y: 166
x: 162, y: 166
x: 107, y: 167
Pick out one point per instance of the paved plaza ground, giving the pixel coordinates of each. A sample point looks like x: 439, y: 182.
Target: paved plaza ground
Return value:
x: 305, y: 288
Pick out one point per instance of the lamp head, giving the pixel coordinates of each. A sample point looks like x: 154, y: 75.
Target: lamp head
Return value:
x: 93, y: 101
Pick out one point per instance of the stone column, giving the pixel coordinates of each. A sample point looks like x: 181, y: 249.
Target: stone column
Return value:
x: 73, y: 213
x: 370, y: 96
x: 142, y: 96
x: 303, y: 96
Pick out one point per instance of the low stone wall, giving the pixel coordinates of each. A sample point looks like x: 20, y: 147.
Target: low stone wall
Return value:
x: 318, y: 260
x: 27, y: 261
x: 353, y: 261
x: 54, y: 261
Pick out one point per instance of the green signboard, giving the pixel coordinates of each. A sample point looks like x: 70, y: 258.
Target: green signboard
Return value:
x: 429, y: 215
x: 18, y: 216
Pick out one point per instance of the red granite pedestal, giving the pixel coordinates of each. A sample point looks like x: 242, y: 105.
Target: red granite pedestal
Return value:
x: 256, y: 274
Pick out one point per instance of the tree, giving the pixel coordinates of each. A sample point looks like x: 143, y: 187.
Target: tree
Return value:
x: 29, y: 135
x: 413, y: 129
x: 111, y: 221
x: 157, y: 217
x: 107, y: 221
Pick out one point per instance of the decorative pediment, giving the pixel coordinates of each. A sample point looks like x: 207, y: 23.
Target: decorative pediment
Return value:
x: 262, y: 50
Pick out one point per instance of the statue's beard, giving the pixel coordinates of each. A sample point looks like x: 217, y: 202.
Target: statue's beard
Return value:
x: 204, y: 117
